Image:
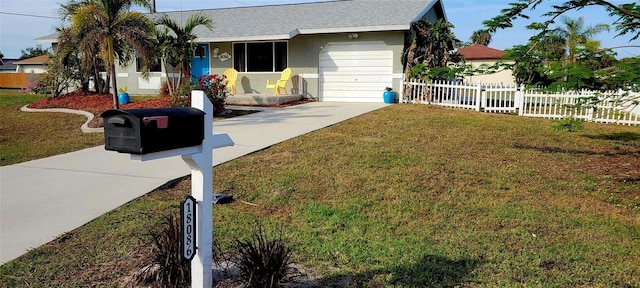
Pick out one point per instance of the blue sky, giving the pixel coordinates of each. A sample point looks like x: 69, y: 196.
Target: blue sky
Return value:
x: 36, y: 18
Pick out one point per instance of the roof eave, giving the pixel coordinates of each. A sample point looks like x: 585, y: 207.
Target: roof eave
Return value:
x: 381, y: 28
x: 429, y: 7
x: 46, y: 41
x: 311, y: 31
x: 51, y: 38
x: 243, y: 38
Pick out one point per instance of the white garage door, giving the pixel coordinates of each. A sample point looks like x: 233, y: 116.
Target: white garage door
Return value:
x: 355, y: 72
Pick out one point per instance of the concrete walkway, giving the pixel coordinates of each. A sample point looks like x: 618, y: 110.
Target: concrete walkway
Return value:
x: 42, y: 199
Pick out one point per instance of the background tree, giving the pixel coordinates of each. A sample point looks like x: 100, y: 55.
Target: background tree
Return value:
x: 552, y: 47
x: 168, y: 56
x: 87, y: 63
x: 528, y: 67
x: 627, y: 15
x: 118, y: 34
x: 575, y: 34
x: 178, y: 42
x: 33, y: 52
x: 622, y: 74
x: 57, y: 78
x: 579, y: 49
x: 430, y: 51
x: 481, y: 37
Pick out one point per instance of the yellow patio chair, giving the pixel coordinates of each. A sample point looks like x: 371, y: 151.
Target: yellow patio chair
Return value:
x: 279, y: 84
x: 232, y: 76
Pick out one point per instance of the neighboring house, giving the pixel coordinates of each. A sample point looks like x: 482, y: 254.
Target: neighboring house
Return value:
x: 8, y: 66
x: 34, y: 65
x: 478, y: 55
x: 22, y: 73
x: 338, y: 50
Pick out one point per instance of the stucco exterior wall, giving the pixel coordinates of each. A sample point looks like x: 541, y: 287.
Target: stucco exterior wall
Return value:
x: 501, y: 77
x: 303, y: 59
x: 30, y: 68
x: 136, y: 84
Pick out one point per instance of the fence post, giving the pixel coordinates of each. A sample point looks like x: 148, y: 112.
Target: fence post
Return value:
x: 481, y: 97
x: 401, y: 92
x: 520, y: 99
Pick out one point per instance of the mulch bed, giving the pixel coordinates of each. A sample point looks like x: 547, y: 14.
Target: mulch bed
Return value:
x: 98, y: 103
x: 95, y: 103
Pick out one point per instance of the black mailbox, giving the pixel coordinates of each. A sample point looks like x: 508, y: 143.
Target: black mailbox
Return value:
x: 143, y: 131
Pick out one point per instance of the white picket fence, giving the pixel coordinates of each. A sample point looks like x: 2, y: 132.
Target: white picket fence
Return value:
x: 618, y: 107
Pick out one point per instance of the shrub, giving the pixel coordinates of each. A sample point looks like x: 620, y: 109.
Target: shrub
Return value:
x: 215, y: 87
x: 569, y: 124
x: 182, y: 97
x: 31, y: 89
x: 263, y: 262
x: 164, y: 89
x: 56, y: 79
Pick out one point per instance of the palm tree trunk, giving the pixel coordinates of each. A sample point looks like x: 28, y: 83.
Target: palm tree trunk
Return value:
x: 105, y: 87
x: 112, y: 67
x: 169, y: 84
x: 115, y: 85
x: 96, y: 77
x: 407, y: 69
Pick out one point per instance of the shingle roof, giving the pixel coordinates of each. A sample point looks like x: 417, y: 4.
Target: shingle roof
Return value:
x: 42, y: 59
x: 287, y: 21
x: 478, y: 52
x: 8, y: 64
x: 281, y: 22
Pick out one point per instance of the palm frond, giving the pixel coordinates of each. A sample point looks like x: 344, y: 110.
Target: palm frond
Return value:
x: 196, y: 20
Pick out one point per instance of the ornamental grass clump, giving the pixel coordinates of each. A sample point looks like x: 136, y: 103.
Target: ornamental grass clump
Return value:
x: 263, y: 262
x: 167, y: 267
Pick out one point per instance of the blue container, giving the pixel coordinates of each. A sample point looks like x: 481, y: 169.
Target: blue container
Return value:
x: 123, y: 98
x: 389, y: 97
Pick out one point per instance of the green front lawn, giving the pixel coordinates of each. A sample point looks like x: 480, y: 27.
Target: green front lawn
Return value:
x: 28, y: 136
x: 406, y: 196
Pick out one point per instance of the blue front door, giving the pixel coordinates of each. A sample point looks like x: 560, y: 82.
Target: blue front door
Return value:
x: 200, y: 61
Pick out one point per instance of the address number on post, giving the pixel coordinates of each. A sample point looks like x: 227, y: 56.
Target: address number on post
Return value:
x: 188, y: 231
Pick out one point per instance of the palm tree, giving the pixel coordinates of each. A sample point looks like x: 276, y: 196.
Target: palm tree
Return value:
x: 431, y: 46
x: 116, y: 32
x: 67, y: 52
x: 575, y: 34
x: 167, y: 51
x: 481, y: 37
x: 178, y: 47
x: 553, y: 47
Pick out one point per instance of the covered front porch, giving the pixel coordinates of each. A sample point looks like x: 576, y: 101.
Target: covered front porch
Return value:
x: 262, y: 99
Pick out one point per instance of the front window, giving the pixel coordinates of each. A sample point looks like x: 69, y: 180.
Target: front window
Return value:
x: 260, y: 56
x: 155, y: 67
x: 199, y: 51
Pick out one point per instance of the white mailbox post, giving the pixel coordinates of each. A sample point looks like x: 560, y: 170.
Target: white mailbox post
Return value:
x: 200, y: 159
